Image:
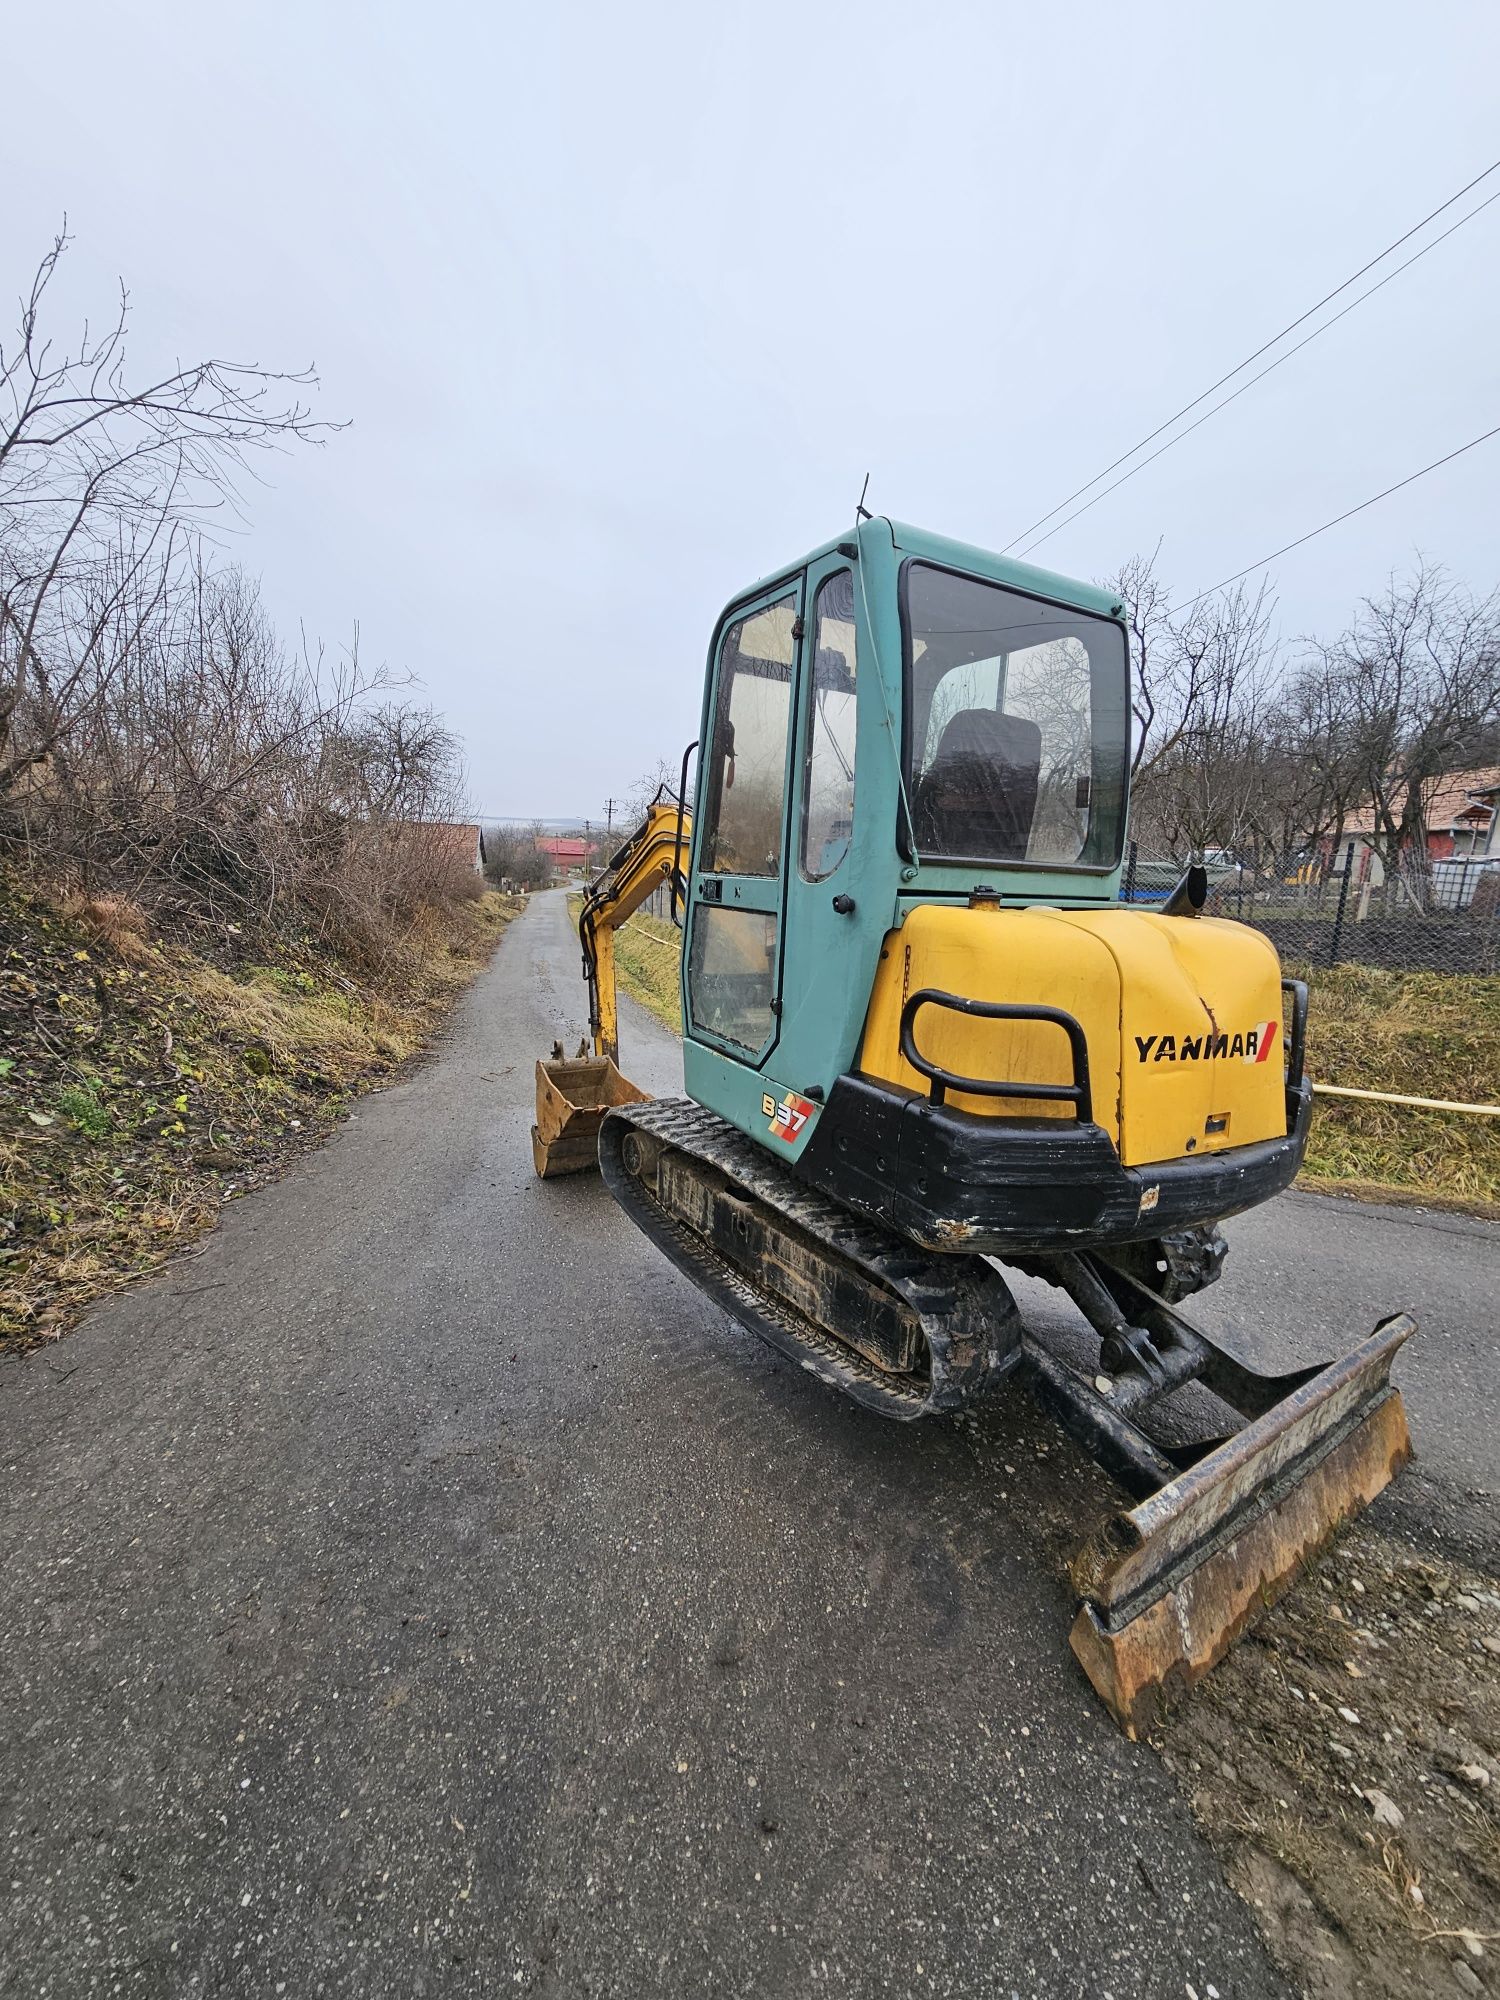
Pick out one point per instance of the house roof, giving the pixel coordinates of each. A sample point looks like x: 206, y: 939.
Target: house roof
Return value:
x: 1448, y: 801
x: 459, y: 834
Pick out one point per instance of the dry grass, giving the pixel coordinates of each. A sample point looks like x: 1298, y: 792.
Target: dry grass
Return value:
x: 145, y: 1083
x: 648, y: 958
x: 115, y: 923
x: 1424, y: 1034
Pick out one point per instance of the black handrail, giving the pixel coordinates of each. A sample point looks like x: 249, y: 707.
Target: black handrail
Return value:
x: 1296, y: 1041
x: 677, y: 844
x: 1076, y: 1093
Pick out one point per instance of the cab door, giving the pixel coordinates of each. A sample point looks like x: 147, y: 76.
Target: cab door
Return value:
x: 832, y: 921
x: 734, y: 942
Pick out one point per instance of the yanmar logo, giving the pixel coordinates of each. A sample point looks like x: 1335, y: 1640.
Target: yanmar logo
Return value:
x: 1253, y: 1046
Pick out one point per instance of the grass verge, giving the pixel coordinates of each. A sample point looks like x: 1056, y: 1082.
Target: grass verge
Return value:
x: 648, y: 957
x: 1424, y: 1034
x: 144, y: 1082
x: 648, y: 952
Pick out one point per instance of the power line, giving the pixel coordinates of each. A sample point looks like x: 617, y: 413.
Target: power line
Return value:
x: 1175, y: 610
x: 1270, y: 366
x: 1264, y: 348
x: 1348, y: 514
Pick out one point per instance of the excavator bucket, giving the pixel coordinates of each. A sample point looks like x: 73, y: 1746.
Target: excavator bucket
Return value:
x: 572, y: 1097
x: 1168, y: 1586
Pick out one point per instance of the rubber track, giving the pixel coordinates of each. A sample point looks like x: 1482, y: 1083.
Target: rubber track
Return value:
x: 966, y: 1313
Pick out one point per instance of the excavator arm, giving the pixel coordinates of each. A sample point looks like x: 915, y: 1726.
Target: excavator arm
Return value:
x: 573, y: 1095
x: 653, y: 855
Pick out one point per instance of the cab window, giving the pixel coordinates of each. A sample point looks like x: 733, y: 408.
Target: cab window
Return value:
x: 732, y: 974
x: 1017, y: 728
x: 748, y: 744
x: 828, y: 761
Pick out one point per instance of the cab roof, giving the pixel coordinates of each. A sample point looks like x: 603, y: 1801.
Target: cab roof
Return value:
x: 964, y: 556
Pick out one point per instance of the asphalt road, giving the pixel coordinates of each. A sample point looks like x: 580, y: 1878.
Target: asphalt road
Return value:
x: 422, y: 1590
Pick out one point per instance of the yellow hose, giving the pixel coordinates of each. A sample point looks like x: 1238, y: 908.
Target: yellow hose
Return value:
x: 1421, y: 1103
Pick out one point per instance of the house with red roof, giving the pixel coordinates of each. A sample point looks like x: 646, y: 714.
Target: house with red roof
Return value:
x: 569, y: 851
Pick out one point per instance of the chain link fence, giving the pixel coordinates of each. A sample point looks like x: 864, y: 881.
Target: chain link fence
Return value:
x: 1447, y: 919
x: 1343, y: 915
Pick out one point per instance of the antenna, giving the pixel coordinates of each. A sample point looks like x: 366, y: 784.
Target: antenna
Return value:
x: 861, y: 511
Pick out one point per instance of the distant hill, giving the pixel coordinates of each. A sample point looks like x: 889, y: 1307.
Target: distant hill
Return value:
x: 574, y: 825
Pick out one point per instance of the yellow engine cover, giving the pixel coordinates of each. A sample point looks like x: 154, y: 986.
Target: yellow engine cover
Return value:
x: 1183, y: 1018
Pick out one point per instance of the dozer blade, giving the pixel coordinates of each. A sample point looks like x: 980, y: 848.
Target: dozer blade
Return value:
x: 571, y: 1100
x: 1168, y: 1586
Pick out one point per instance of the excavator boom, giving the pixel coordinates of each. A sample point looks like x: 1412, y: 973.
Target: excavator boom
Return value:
x: 649, y: 860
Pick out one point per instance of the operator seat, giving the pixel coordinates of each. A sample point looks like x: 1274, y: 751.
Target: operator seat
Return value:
x: 977, y: 798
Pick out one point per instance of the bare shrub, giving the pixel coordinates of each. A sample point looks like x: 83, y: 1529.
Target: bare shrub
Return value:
x: 514, y: 857
x: 159, y: 745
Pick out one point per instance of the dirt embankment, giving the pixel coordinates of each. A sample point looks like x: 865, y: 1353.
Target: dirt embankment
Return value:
x: 144, y: 1082
x: 1344, y: 1762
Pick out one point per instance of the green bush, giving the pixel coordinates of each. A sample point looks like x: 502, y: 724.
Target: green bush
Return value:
x: 84, y: 1110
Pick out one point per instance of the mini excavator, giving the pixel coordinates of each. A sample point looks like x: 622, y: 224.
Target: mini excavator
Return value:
x: 923, y: 1040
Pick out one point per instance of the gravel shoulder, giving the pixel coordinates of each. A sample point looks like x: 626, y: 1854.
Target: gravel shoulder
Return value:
x: 1344, y: 1763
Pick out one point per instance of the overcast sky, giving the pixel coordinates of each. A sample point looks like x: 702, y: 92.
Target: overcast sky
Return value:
x: 624, y: 301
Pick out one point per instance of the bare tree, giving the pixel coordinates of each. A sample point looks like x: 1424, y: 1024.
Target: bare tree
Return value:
x: 514, y: 857
x: 101, y: 474
x: 401, y: 760
x: 1325, y: 782
x: 1235, y: 751
x: 156, y: 736
x: 1143, y: 599
x: 662, y: 773
x: 1198, y: 785
x: 1409, y: 689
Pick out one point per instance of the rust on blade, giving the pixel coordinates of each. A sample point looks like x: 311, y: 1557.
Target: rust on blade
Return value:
x: 1174, y: 1641
x: 571, y: 1100
x: 1169, y: 1587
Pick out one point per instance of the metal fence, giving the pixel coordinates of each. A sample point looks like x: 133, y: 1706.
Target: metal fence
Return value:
x: 1445, y: 919
x: 659, y: 904
x: 1449, y: 922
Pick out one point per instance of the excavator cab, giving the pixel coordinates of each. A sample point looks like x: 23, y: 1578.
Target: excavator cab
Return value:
x: 898, y: 722
x: 922, y: 1040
